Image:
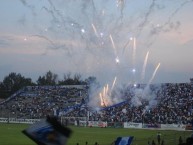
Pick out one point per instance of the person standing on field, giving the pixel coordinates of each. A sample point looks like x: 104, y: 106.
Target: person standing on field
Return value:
x: 158, y: 138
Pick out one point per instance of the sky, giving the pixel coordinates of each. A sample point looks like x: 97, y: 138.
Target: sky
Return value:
x: 130, y: 41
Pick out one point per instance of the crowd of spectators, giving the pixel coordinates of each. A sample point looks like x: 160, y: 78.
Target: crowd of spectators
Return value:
x: 39, y: 101
x: 173, y: 103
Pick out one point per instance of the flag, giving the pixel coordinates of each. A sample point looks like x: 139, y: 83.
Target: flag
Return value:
x: 48, y: 132
x: 124, y: 140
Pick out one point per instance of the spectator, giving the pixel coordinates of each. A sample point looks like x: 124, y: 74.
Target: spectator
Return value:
x: 162, y: 143
x: 158, y: 138
x: 153, y: 142
x: 180, y: 140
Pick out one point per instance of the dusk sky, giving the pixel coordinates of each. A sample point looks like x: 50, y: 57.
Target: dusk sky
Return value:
x: 136, y: 41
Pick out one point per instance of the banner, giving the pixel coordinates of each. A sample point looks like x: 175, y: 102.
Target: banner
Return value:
x: 97, y: 124
x: 151, y: 125
x: 173, y: 126
x: 17, y: 120
x: 132, y: 125
x: 188, y: 127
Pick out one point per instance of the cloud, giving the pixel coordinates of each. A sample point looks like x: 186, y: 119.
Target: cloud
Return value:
x: 3, y: 43
x: 5, y: 40
x: 61, y: 32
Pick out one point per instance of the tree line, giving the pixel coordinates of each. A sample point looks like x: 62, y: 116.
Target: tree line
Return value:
x: 15, y: 81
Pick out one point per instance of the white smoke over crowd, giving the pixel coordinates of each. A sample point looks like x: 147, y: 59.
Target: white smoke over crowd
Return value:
x: 100, y: 37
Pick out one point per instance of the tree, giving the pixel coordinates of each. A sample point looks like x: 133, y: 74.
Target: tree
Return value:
x: 48, y: 79
x: 41, y: 81
x: 91, y: 81
x: 67, y: 80
x: 77, y: 79
x: 12, y: 83
x: 3, y: 92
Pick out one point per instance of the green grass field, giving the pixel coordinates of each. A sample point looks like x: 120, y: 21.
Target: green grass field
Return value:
x: 10, y: 134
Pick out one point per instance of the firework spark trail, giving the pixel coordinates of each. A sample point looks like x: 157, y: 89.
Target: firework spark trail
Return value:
x: 113, y: 44
x: 102, y: 100
x: 90, y: 11
x: 95, y: 31
x: 105, y: 96
x: 144, y: 66
x: 58, y: 17
x: 107, y: 89
x: 154, y: 73
x: 104, y: 91
x: 113, y: 85
x: 134, y: 52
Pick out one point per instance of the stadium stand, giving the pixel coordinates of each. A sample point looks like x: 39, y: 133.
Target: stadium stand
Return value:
x: 174, y: 104
x: 39, y: 102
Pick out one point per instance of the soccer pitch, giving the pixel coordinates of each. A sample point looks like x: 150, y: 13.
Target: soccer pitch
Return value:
x: 10, y: 134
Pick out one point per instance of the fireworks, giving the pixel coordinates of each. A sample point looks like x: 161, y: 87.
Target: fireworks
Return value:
x: 113, y: 44
x: 154, y: 73
x: 117, y: 60
x: 104, y: 97
x: 95, y: 31
x: 144, y: 66
x: 83, y: 30
x: 133, y: 70
x: 113, y: 85
x: 96, y: 38
x: 134, y: 51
